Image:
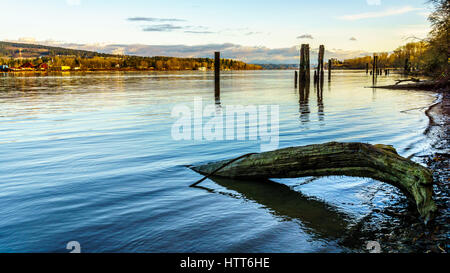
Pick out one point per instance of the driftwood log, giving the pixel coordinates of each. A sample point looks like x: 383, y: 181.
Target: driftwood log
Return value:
x: 380, y: 162
x: 408, y: 80
x: 418, y: 85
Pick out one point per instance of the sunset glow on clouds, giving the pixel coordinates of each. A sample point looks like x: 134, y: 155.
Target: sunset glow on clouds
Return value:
x: 262, y: 28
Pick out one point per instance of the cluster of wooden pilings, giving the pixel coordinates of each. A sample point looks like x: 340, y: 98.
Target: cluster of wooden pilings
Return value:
x: 377, y: 69
x: 303, y: 75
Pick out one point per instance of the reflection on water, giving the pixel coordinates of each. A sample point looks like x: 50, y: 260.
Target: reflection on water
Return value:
x: 321, y: 220
x: 90, y: 157
x: 320, y: 107
x: 304, y: 109
x: 304, y: 101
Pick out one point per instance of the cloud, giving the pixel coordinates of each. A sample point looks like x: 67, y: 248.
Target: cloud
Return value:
x: 118, y: 51
x: 388, y: 12
x: 198, y: 32
x: 305, y: 36
x: 373, y: 2
x: 424, y: 13
x: 73, y: 2
x: 168, y: 27
x: 251, y: 54
x: 27, y: 40
x: 153, y: 19
x: 161, y: 28
x: 171, y: 27
x: 353, y: 39
x: 252, y: 33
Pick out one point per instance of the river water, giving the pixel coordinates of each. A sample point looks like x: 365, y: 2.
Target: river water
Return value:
x: 92, y: 158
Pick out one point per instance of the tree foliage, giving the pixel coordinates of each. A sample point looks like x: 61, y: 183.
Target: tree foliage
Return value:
x: 437, y: 57
x: 17, y: 54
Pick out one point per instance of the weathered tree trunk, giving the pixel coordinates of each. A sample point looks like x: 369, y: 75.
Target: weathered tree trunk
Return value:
x: 421, y: 85
x: 380, y: 162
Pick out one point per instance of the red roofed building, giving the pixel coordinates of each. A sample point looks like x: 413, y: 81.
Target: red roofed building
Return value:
x: 43, y: 66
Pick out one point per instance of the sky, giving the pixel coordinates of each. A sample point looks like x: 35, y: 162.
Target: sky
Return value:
x: 250, y: 30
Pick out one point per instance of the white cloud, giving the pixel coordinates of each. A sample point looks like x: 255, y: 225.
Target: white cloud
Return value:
x: 252, y: 54
x: 305, y: 36
x: 424, y: 13
x: 384, y: 13
x: 373, y: 2
x: 118, y: 51
x: 27, y: 40
x: 73, y: 2
x: 409, y: 31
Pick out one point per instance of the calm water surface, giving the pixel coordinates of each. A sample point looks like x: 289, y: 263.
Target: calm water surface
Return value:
x: 91, y: 158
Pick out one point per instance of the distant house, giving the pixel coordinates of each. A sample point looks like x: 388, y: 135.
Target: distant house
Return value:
x: 64, y: 67
x: 43, y: 66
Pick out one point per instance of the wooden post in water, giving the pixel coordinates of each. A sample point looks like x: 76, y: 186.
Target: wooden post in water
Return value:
x: 295, y: 78
x: 321, y: 55
x: 375, y: 65
x: 307, y: 63
x: 367, y: 68
x: 329, y: 69
x: 217, y: 73
x: 302, y: 69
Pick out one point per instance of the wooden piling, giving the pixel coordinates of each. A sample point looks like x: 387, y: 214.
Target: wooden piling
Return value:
x: 302, y: 69
x: 217, y: 73
x: 329, y: 69
x: 321, y: 55
x: 295, y: 78
x: 307, y: 63
x: 375, y: 65
x: 367, y: 68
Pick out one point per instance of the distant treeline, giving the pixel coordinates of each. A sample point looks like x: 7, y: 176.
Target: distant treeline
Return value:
x: 411, y: 56
x: 18, y: 54
x: 130, y: 63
